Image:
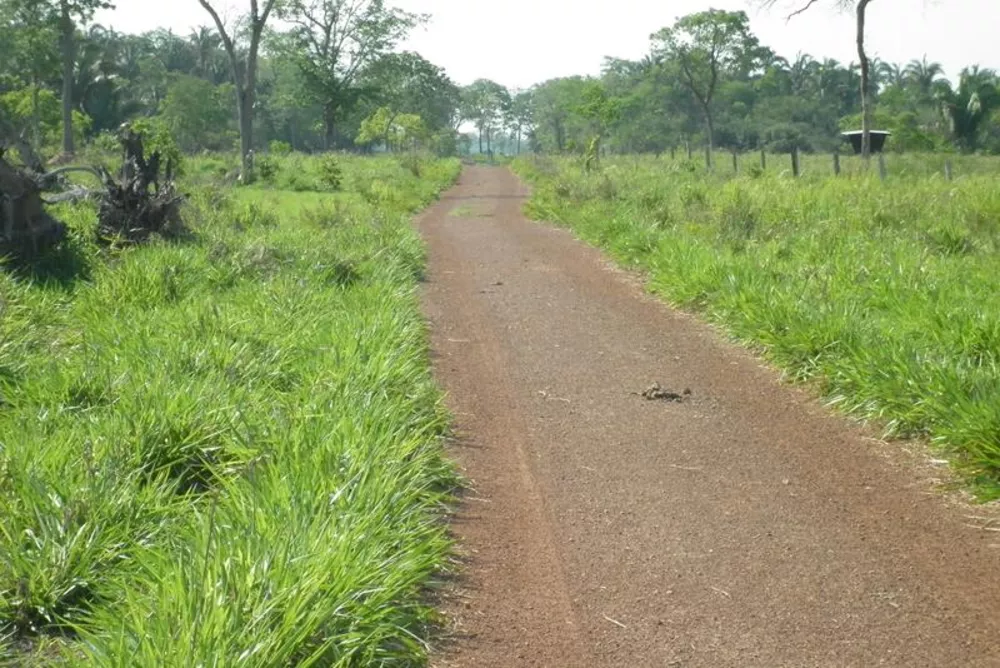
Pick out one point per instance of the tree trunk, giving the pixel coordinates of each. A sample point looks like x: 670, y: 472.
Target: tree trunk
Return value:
x: 480, y: 140
x: 68, y: 57
x: 710, y: 126
x: 329, y: 128
x: 866, y: 111
x: 245, y: 113
x: 36, y: 117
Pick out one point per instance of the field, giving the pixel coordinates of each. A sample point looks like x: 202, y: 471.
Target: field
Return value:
x: 227, y: 448
x: 884, y: 295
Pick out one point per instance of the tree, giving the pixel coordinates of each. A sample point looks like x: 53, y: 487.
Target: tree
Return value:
x: 520, y: 116
x: 244, y: 73
x: 197, y: 113
x: 923, y: 75
x: 484, y: 102
x: 860, y: 8
x: 30, y: 35
x: 553, y: 102
x: 966, y: 108
x: 410, y: 84
x: 393, y: 129
x: 64, y: 14
x: 703, y: 47
x: 333, y: 40
x: 601, y: 110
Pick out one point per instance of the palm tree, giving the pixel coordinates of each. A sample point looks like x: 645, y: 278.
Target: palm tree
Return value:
x: 803, y: 71
x: 208, y: 47
x: 922, y: 75
x: 892, y: 74
x: 965, y: 109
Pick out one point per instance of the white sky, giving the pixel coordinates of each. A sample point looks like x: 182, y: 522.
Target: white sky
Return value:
x: 521, y: 42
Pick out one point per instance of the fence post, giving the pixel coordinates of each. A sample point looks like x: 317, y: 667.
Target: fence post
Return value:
x: 687, y: 143
x: 947, y: 170
x: 736, y: 163
x: 795, y: 162
x: 763, y: 159
x: 708, y: 156
x: 882, y: 171
x: 836, y: 163
x: 673, y: 152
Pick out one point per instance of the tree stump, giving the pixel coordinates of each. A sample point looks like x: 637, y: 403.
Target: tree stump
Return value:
x: 139, y: 203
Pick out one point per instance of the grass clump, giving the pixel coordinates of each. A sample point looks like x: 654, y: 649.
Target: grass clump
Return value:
x: 227, y: 449
x: 883, y: 294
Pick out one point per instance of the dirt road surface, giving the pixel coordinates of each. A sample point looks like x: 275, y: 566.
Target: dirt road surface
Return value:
x: 743, y: 526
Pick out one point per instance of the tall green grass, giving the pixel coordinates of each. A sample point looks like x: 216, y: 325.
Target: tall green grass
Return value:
x: 226, y: 450
x: 884, y: 294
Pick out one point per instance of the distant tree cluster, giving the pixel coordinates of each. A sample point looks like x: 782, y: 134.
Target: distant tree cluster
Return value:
x: 707, y: 80
x: 333, y: 78
x: 223, y: 87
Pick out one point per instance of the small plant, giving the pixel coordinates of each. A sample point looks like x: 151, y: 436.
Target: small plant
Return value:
x: 331, y: 175
x: 412, y: 162
x: 267, y: 169
x: 106, y: 143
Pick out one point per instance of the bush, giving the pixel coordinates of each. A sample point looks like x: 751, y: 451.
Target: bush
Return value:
x: 267, y: 169
x: 279, y: 147
x: 330, y: 173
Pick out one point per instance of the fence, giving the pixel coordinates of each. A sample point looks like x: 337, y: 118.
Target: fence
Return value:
x: 886, y: 165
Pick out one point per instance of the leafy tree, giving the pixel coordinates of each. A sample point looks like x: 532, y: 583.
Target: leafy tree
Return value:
x: 244, y: 72
x: 520, y: 116
x: 484, y: 103
x: 393, y: 129
x: 30, y: 47
x: 410, y: 84
x: 197, y: 113
x: 704, y: 47
x: 553, y: 105
x: 39, y: 16
x: 40, y: 109
x: 333, y: 40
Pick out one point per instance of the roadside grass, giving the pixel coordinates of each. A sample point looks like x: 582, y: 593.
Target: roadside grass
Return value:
x: 227, y: 450
x: 884, y: 295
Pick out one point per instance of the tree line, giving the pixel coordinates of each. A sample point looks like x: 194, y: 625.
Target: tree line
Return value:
x: 708, y: 81
x: 326, y: 74
x: 309, y: 74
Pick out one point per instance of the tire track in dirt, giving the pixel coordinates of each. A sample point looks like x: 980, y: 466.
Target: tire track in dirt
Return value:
x: 742, y: 526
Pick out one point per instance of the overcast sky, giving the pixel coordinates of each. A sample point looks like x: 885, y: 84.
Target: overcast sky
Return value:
x: 522, y: 42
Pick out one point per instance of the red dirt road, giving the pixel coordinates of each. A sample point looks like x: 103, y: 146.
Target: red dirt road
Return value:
x: 744, y: 526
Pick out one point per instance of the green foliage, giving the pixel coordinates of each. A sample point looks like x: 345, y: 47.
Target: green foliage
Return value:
x: 267, y: 169
x: 331, y: 68
x: 393, y: 130
x: 484, y: 102
x: 156, y: 137
x: 409, y: 84
x: 331, y: 174
x: 228, y: 449
x: 199, y: 114
x: 883, y: 295
x: 23, y: 106
x: 278, y: 147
